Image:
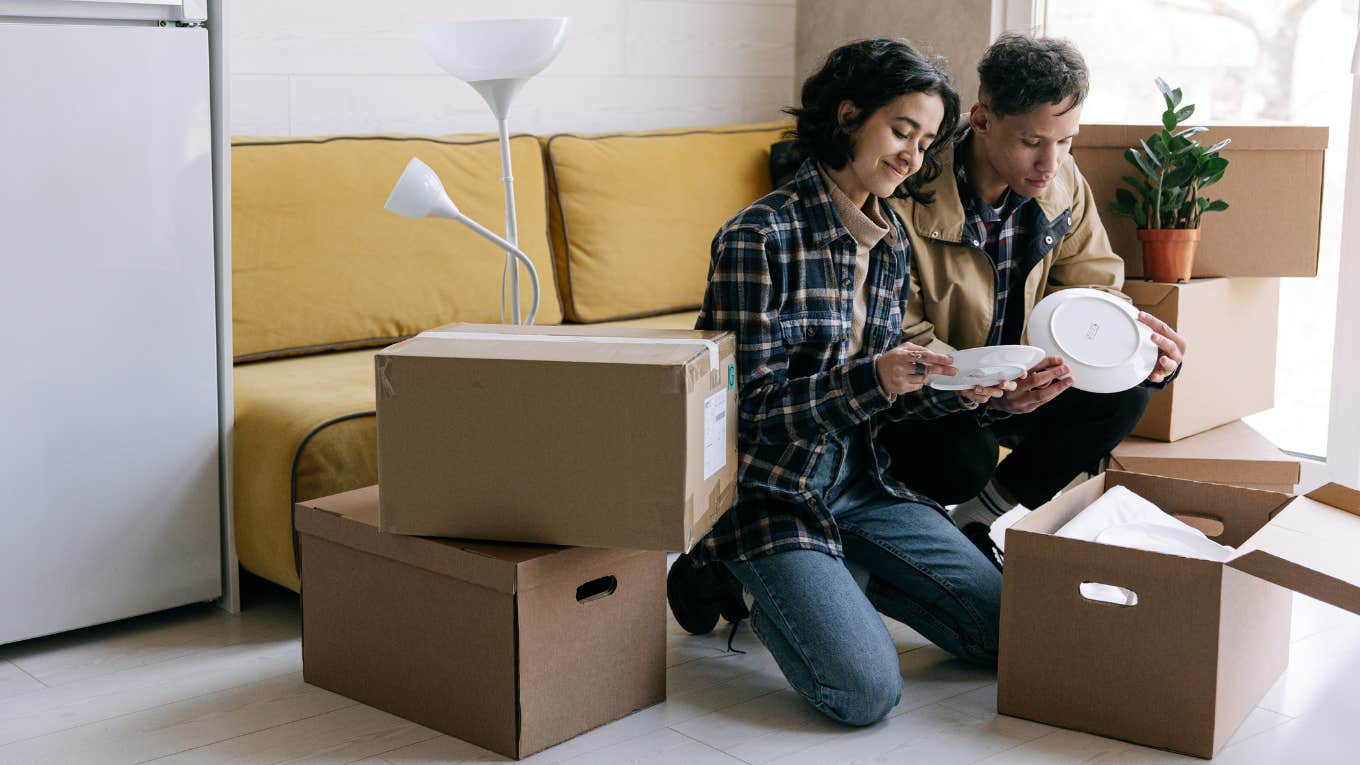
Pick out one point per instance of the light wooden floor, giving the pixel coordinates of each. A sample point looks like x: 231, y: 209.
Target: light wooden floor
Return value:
x: 197, y: 685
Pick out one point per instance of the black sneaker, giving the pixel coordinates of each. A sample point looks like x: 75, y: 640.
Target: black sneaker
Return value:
x: 980, y: 535
x: 699, y: 594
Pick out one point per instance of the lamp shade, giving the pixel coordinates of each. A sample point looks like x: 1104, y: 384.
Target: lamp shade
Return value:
x: 496, y: 49
x: 420, y: 194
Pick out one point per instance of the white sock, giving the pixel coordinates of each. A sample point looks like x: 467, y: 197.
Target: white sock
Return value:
x: 991, y: 503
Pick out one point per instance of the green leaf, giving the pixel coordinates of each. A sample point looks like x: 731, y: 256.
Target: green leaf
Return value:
x: 1218, y: 146
x: 1176, y: 97
x: 1125, y: 198
x: 1184, y: 113
x: 1166, y: 93
x: 1140, y: 217
x: 1191, y: 131
x: 1169, y: 119
x: 1137, y: 160
x: 1152, y: 155
x: 1218, y: 205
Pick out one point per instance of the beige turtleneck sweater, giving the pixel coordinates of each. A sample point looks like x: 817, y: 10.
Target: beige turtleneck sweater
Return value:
x: 867, y: 225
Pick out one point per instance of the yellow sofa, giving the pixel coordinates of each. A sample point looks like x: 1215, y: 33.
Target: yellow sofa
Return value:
x: 618, y: 226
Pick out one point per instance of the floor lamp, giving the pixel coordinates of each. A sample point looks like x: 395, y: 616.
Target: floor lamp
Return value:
x: 419, y: 194
x: 496, y: 57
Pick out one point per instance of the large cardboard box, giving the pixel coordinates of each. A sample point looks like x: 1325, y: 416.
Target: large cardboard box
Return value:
x: 1273, y: 187
x: 1234, y: 454
x: 1231, y: 326
x: 1182, y: 667
x: 564, y: 435
x: 511, y: 647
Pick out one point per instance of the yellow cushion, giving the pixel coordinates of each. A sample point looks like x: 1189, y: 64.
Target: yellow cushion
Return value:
x: 317, y: 263
x: 682, y: 320
x: 633, y: 214
x: 304, y: 429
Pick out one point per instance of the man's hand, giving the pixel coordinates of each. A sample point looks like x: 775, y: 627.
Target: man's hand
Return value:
x: 1040, y: 385
x: 908, y: 368
x: 1170, y: 345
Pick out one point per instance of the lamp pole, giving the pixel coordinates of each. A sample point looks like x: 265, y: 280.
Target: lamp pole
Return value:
x: 511, y: 225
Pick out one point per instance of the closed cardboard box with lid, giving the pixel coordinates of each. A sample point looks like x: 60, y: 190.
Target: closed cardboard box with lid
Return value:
x: 1273, y: 187
x: 1184, y: 665
x: 1233, y: 454
x: 1231, y: 326
x: 573, y: 435
x: 511, y: 647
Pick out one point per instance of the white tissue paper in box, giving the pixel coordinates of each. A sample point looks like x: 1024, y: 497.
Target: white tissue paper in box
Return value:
x: 1120, y: 517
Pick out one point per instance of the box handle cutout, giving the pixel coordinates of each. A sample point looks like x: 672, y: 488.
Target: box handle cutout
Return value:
x: 1108, y: 594
x: 596, y: 589
x: 1212, y: 526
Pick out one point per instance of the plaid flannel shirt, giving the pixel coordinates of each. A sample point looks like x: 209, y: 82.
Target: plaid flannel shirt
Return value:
x: 781, y: 279
x: 996, y: 234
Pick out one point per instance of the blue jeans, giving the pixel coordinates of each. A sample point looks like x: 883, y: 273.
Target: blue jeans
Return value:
x: 825, y: 633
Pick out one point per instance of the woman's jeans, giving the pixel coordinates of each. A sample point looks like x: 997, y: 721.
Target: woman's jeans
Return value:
x: 826, y: 634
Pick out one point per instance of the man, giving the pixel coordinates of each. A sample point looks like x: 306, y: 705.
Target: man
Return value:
x: 1014, y: 222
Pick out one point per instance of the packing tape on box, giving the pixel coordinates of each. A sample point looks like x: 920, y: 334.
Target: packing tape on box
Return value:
x: 709, y: 344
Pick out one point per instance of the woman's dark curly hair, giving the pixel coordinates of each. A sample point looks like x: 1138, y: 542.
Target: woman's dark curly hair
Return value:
x: 870, y: 74
x: 1019, y: 72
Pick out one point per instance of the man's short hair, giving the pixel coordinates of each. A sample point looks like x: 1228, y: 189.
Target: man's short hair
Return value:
x: 1019, y: 72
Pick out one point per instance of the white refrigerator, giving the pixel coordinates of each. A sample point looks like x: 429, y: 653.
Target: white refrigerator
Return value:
x: 109, y: 366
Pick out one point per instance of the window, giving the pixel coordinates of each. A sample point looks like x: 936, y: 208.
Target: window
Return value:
x: 1241, y: 61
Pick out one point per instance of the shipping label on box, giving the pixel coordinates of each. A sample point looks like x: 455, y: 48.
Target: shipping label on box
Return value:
x: 511, y: 647
x: 1260, y: 234
x: 1201, y: 641
x: 1231, y: 328
x: 599, y: 437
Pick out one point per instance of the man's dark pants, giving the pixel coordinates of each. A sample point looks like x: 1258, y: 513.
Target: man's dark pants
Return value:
x: 951, y: 459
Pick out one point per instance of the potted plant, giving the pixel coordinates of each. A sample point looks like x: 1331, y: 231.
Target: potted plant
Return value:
x: 1163, y: 198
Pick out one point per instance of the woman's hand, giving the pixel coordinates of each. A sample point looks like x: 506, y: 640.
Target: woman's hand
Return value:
x: 981, y: 394
x: 909, y: 366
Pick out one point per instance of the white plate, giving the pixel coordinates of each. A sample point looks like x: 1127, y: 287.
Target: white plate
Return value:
x: 1098, y: 335
x: 988, y: 366
x: 1172, y: 540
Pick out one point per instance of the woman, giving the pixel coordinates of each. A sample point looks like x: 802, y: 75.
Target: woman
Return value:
x: 813, y: 279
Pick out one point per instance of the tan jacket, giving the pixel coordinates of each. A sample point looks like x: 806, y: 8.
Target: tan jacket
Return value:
x: 952, y: 293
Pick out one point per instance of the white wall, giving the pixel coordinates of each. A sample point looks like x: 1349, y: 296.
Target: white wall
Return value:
x: 314, y: 67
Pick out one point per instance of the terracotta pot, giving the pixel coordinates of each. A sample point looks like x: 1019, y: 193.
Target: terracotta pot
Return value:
x: 1168, y: 253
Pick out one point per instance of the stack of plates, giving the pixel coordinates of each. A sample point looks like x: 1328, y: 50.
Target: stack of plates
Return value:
x: 1098, y: 335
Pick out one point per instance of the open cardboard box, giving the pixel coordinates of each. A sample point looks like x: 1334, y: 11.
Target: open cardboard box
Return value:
x: 1183, y: 667
x: 571, y: 435
x: 511, y: 647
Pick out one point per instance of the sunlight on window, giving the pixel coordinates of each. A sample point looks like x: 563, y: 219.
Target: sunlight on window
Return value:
x: 1241, y: 61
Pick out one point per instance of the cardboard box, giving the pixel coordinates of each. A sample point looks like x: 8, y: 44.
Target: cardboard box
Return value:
x: 571, y: 435
x: 510, y: 647
x: 1262, y: 233
x: 1231, y: 326
x: 1182, y: 667
x: 1233, y: 454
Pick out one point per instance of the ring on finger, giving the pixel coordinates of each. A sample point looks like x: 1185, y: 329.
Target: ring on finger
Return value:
x: 920, y: 368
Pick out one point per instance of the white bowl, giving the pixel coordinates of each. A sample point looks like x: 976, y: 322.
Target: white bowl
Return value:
x: 988, y: 366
